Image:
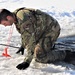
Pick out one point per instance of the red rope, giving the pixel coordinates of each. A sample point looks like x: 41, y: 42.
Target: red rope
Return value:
x: 8, y: 42
x: 10, y: 35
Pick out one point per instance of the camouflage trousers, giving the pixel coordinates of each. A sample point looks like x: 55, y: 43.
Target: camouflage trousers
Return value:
x: 44, y: 56
x: 43, y: 51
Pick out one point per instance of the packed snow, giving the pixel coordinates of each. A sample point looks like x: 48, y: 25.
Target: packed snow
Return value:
x: 66, y: 19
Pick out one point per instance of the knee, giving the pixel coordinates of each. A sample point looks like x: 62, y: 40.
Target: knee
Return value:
x: 38, y: 50
x: 39, y: 54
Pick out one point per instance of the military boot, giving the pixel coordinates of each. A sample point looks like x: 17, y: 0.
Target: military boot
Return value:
x: 70, y: 57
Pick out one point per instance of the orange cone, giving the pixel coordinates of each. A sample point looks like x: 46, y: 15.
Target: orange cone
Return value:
x: 6, y: 53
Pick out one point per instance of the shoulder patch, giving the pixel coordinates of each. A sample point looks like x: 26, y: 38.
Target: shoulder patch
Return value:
x: 20, y: 14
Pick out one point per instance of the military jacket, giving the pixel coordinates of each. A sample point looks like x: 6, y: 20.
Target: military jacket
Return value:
x: 32, y: 25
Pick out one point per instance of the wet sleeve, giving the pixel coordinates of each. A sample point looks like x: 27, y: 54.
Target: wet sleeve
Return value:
x: 30, y: 49
x: 27, y: 30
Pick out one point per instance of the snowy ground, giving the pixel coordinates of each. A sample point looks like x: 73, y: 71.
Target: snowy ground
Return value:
x: 8, y: 64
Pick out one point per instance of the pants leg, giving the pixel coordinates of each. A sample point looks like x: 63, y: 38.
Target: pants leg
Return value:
x: 43, y: 50
x: 45, y: 54
x: 54, y: 56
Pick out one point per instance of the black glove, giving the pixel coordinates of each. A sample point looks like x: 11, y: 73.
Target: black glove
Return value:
x: 23, y: 65
x: 21, y: 49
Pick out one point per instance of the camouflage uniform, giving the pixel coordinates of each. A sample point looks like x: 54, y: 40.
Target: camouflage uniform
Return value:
x: 39, y: 31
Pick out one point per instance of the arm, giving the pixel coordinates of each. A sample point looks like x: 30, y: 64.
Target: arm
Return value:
x: 28, y: 38
x: 30, y: 49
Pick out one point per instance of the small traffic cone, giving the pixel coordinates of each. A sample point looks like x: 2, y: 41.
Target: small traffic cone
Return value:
x: 6, y: 53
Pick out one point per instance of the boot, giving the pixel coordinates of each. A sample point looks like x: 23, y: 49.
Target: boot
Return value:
x: 70, y: 57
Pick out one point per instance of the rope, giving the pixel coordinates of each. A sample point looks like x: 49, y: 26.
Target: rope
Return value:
x: 9, y: 45
x: 10, y: 35
x: 8, y: 42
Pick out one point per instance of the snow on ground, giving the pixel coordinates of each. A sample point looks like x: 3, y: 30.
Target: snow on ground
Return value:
x: 67, y: 23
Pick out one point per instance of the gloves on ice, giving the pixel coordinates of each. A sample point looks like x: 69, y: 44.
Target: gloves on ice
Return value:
x: 21, y: 49
x: 22, y: 65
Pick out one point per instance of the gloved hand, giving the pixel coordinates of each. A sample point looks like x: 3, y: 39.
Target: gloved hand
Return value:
x: 22, y: 65
x: 21, y: 49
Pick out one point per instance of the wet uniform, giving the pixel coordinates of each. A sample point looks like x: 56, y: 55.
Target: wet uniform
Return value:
x: 39, y: 31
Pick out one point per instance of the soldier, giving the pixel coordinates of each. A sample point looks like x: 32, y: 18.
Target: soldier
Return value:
x: 38, y: 30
